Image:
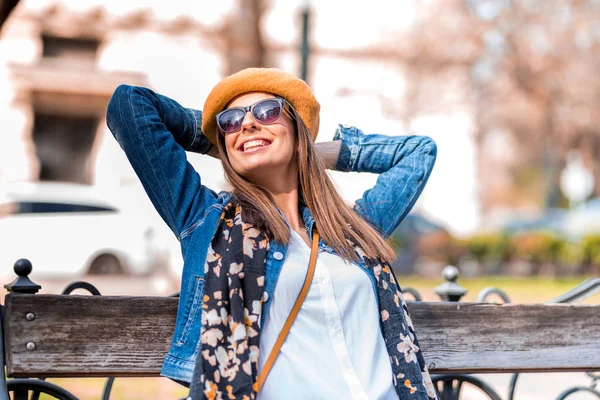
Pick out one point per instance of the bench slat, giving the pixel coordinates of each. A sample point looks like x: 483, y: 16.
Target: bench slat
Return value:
x: 88, y: 335
x: 475, y: 337
x: 79, y: 336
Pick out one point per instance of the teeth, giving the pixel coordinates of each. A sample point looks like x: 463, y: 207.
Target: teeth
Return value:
x: 255, y: 143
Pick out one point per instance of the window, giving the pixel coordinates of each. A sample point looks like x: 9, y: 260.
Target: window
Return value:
x: 63, y: 145
x: 35, y: 207
x: 70, y: 52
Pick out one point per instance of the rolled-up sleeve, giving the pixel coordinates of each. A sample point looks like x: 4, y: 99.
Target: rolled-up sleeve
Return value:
x: 404, y: 164
x: 154, y: 132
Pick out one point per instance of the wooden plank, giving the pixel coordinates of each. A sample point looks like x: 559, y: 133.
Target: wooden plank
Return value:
x: 88, y: 335
x: 472, y: 337
x: 128, y: 336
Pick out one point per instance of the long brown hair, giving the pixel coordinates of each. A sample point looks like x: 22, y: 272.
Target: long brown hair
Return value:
x: 338, y: 224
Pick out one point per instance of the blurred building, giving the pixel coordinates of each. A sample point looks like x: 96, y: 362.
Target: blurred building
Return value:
x: 60, y: 61
x: 376, y: 68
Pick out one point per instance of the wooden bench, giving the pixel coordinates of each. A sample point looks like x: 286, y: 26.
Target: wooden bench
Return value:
x: 85, y: 336
x: 82, y: 336
x: 110, y: 336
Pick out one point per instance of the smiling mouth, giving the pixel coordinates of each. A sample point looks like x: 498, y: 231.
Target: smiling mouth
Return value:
x: 255, y: 144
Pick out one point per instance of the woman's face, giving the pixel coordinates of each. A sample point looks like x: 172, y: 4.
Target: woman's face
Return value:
x: 257, y: 149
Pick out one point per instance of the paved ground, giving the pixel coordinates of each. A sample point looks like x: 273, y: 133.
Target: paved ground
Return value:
x: 540, y: 386
x: 530, y: 386
x: 155, y: 285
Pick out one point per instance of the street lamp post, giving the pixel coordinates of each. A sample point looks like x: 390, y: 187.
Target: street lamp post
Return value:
x: 304, y: 46
x: 6, y: 6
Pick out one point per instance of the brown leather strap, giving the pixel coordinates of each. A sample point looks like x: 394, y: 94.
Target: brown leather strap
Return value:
x: 290, y: 320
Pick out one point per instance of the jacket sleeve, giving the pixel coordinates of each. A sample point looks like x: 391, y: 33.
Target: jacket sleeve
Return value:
x: 403, y: 163
x: 154, y: 132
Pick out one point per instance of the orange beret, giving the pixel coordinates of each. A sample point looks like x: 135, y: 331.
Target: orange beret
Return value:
x: 271, y: 80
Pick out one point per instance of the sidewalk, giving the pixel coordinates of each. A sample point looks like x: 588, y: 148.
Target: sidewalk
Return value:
x: 539, y: 386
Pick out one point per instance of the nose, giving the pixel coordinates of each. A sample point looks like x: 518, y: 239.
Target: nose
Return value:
x: 249, y: 123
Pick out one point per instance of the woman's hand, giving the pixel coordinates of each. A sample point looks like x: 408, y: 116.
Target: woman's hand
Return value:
x: 329, y: 152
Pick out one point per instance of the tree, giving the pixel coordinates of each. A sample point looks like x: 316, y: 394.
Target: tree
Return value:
x: 6, y: 6
x: 528, y: 69
x: 544, y: 77
x: 243, y: 37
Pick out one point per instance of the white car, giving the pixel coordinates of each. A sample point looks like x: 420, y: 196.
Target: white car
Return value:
x: 67, y: 229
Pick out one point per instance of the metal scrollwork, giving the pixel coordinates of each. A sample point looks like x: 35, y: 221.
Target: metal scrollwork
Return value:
x: 449, y: 387
x: 582, y: 291
x: 412, y: 292
x: 578, y: 389
x: 488, y: 292
x: 81, y: 285
x: 20, y: 389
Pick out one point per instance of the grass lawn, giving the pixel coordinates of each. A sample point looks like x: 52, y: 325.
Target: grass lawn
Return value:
x: 123, y: 389
x: 520, y: 290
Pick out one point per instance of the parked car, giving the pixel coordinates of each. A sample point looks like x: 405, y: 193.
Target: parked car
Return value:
x: 549, y: 220
x: 514, y: 221
x: 69, y: 229
x: 412, y: 237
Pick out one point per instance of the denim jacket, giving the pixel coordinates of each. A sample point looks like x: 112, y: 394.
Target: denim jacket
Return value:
x: 155, y: 132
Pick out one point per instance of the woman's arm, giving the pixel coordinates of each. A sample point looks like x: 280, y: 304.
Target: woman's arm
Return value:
x: 154, y: 132
x: 403, y: 163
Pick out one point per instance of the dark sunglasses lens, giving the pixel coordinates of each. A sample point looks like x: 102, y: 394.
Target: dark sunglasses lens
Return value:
x: 267, y: 111
x: 231, y: 120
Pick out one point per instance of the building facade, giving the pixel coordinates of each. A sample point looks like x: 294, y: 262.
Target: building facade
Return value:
x: 61, y: 60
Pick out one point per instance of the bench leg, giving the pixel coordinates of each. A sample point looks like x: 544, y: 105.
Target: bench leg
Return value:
x: 21, y: 394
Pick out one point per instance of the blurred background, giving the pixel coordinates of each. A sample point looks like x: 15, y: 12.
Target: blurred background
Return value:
x: 509, y: 90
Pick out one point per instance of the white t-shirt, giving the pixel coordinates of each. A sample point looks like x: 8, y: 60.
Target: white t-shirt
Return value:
x: 335, y: 349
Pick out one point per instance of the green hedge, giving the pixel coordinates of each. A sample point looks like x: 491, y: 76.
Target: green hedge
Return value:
x: 487, y: 248
x: 590, y: 249
x: 536, y: 247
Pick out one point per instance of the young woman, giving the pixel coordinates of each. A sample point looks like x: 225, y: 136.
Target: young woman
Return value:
x: 247, y: 250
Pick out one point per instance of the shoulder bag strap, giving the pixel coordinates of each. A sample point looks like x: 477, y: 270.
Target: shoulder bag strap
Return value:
x: 290, y: 320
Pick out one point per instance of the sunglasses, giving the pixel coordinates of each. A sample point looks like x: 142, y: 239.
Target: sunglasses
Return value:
x: 265, y: 111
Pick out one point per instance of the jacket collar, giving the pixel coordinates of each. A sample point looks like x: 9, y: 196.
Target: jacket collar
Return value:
x: 307, y: 217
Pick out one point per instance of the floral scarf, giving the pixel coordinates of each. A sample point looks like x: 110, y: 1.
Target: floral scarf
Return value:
x: 234, y: 276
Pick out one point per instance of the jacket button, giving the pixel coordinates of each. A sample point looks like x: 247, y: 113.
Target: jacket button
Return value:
x: 278, y: 256
x: 265, y: 297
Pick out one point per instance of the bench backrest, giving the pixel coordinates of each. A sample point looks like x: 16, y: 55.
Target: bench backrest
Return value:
x: 78, y: 336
